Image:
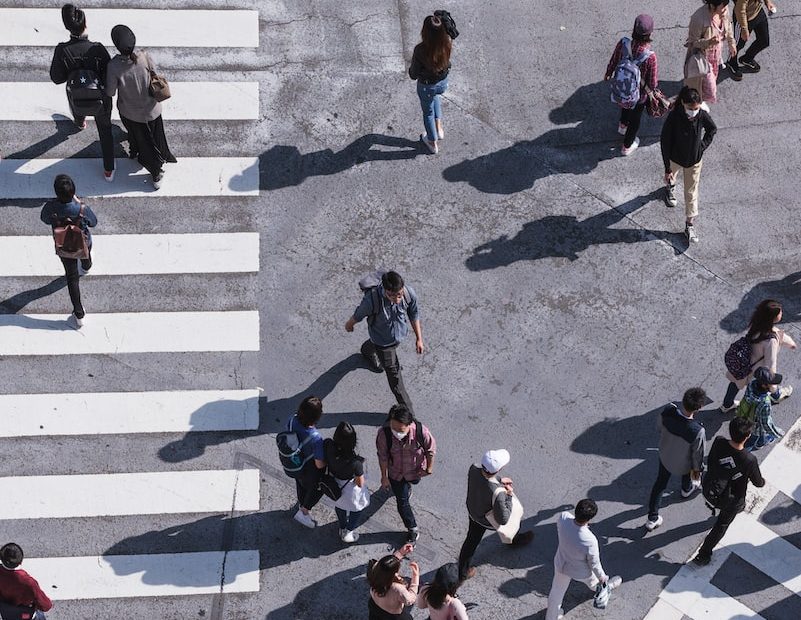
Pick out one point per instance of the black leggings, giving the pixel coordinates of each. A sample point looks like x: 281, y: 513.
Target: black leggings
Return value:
x: 631, y: 118
x: 71, y: 271
x: 759, y: 26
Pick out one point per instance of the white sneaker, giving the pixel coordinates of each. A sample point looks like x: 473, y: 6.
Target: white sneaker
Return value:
x: 431, y: 146
x: 305, y: 519
x: 350, y: 537
x: 784, y: 392
x: 628, y: 151
x: 621, y: 129
x: 109, y: 175
x: 652, y: 525
x: 696, y: 484
x: 705, y: 107
x: 157, y: 180
x: 76, y: 321
x: 440, y: 130
x: 727, y: 409
x: 689, y: 232
x: 614, y: 582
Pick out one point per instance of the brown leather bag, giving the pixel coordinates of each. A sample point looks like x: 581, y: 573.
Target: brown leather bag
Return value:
x: 69, y: 238
x: 159, y: 88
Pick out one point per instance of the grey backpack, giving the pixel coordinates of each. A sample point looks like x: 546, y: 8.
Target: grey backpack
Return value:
x: 369, y: 286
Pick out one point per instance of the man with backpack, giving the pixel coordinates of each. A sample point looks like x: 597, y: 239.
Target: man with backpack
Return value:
x: 632, y: 71
x: 20, y: 594
x: 682, y: 440
x: 302, y: 454
x: 731, y: 466
x: 389, y: 306
x: 81, y: 64
x: 70, y: 220
x: 406, y: 450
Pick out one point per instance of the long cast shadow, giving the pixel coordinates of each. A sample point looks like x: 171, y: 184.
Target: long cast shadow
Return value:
x: 787, y: 290
x: 14, y: 304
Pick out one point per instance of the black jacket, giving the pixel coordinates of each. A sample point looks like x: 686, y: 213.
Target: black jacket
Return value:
x: 684, y: 140
x: 419, y: 71
x: 78, y: 53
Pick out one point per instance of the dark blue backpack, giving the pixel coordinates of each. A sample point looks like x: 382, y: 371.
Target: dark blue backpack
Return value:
x: 626, y: 80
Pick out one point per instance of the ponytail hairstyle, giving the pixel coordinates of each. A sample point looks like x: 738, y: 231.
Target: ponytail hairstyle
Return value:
x: 74, y: 19
x: 436, y: 45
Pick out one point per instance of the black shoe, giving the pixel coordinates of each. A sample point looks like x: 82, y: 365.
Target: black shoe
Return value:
x: 751, y: 66
x: 702, y: 560
x: 736, y: 74
x: 133, y: 154
x: 371, y: 357
x: 413, y: 535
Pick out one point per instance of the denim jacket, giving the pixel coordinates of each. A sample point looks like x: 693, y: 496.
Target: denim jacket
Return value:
x: 70, y: 209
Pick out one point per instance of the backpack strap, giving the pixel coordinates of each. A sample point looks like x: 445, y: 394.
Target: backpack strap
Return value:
x: 388, y: 437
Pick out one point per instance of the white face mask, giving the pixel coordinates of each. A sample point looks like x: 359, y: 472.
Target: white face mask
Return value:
x: 691, y: 113
x: 399, y: 436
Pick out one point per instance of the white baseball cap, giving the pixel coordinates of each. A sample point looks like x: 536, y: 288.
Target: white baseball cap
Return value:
x: 495, y: 460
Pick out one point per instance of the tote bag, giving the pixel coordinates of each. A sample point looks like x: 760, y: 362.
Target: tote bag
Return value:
x: 354, y: 498
x: 508, y: 530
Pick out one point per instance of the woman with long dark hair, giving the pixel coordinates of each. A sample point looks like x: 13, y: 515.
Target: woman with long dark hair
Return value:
x: 128, y: 76
x: 439, y: 596
x: 390, y: 594
x: 347, y: 468
x: 766, y: 339
x: 431, y: 63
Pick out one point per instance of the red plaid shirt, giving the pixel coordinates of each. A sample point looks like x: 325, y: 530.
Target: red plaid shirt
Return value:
x: 648, y: 69
x: 408, y: 459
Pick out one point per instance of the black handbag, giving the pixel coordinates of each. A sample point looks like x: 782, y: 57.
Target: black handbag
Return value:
x: 330, y: 487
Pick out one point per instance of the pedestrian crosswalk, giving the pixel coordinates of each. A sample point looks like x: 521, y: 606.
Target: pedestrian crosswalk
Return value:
x: 138, y: 491
x: 695, y: 593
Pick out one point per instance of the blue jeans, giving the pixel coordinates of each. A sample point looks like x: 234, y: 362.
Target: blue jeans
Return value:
x: 430, y: 103
x: 348, y: 520
x: 402, y: 489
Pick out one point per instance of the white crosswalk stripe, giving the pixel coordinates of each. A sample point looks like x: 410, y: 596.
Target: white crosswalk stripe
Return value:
x: 153, y: 27
x: 130, y: 332
x: 690, y: 592
x: 45, y: 101
x: 95, y: 573
x: 157, y: 574
x: 32, y: 415
x: 191, y: 176
x: 139, y: 254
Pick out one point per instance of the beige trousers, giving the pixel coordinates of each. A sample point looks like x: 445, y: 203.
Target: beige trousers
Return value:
x: 692, y: 179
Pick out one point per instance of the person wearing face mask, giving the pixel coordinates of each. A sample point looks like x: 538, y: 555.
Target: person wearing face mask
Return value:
x: 687, y: 133
x: 710, y: 25
x: 406, y: 452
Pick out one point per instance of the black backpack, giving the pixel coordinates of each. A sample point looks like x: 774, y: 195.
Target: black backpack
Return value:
x: 418, y: 436
x: 369, y: 285
x: 291, y: 452
x: 85, y: 90
x: 716, y: 485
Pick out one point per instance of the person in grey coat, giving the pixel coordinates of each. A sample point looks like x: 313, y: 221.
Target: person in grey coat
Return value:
x: 482, y: 483
x: 682, y: 442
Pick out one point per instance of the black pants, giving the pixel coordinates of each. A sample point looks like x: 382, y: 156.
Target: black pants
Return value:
x: 731, y: 392
x: 306, y: 486
x: 103, y: 122
x: 71, y: 271
x: 149, y: 143
x: 725, y: 517
x: 760, y: 27
x: 631, y: 118
x: 388, y: 358
x: 475, y: 532
x: 376, y: 613
x: 662, y: 479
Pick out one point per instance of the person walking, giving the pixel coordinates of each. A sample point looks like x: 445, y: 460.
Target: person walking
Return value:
x: 347, y: 468
x: 687, y: 133
x: 734, y: 466
x: 68, y: 207
x: 406, y: 450
x: 709, y: 26
x: 757, y: 408
x: 303, y: 423
x: 577, y: 556
x: 764, y: 340
x: 636, y: 50
x: 20, y: 594
x: 682, y: 441
x: 439, y: 596
x: 128, y: 78
x: 431, y: 63
x: 750, y: 16
x: 79, y: 54
x: 389, y: 306
x: 390, y: 594
x: 485, y: 493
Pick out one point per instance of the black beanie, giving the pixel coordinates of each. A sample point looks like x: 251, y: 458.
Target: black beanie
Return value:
x: 124, y: 39
x: 74, y: 19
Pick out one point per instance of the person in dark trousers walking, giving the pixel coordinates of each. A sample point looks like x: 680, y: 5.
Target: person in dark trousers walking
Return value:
x: 730, y: 462
x: 20, y: 594
x: 389, y: 308
x: 306, y: 485
x: 687, y: 133
x: 749, y: 16
x: 68, y: 206
x: 406, y: 450
x: 128, y: 78
x: 431, y: 63
x: 482, y: 484
x: 347, y: 468
x: 640, y: 47
x: 81, y: 53
x: 682, y: 440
